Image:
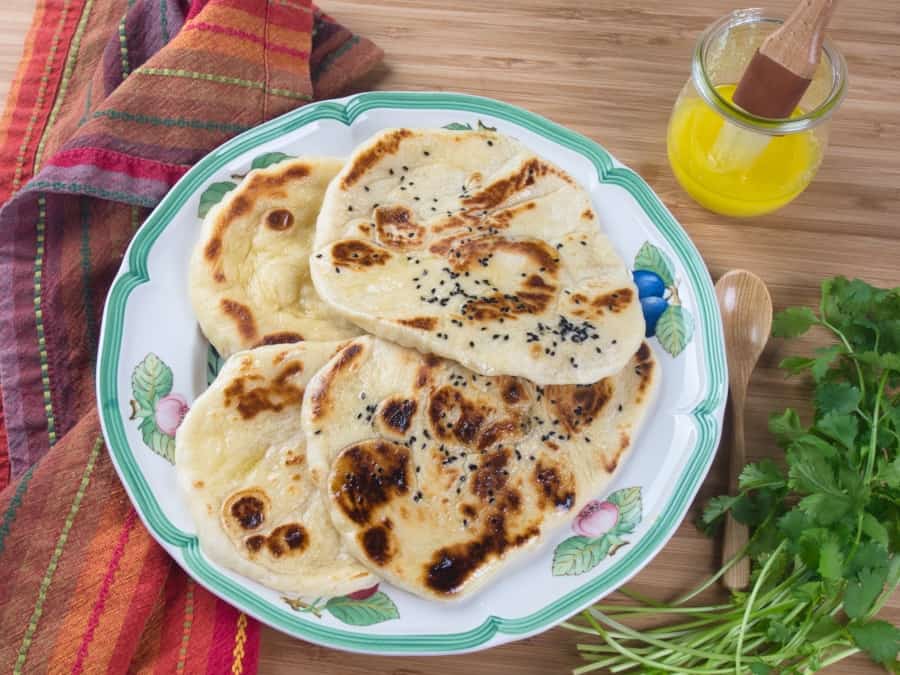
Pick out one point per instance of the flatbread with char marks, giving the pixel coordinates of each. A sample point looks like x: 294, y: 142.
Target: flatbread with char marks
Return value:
x: 437, y: 476
x: 242, y: 467
x: 249, y: 272
x: 467, y: 245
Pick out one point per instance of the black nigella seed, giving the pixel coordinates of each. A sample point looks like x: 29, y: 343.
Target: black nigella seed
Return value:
x: 318, y: 255
x: 620, y: 407
x: 426, y: 153
x: 416, y: 198
x: 349, y: 208
x: 471, y: 344
x: 391, y: 171
x: 490, y: 142
x: 405, y: 168
x: 366, y: 188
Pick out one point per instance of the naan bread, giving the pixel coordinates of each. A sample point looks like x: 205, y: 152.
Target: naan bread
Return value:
x: 240, y: 457
x: 437, y: 477
x: 469, y: 246
x: 249, y: 273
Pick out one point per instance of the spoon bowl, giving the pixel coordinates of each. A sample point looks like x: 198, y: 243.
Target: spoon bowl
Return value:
x: 746, y: 309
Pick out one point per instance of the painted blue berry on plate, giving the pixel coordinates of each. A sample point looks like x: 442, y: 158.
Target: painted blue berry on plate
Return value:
x: 664, y: 315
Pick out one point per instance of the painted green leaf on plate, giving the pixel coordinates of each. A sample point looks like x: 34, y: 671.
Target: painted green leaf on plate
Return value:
x: 651, y: 259
x: 628, y: 501
x: 577, y: 555
x: 150, y: 381
x: 458, y: 126
x: 214, y: 364
x: 269, y: 159
x: 160, y: 443
x: 213, y: 195
x: 374, y: 609
x: 675, y: 329
x: 484, y: 127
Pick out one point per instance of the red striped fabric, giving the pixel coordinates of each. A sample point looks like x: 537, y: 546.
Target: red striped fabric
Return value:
x: 113, y: 101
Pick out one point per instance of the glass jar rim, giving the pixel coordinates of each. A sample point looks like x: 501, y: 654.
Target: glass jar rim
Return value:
x: 741, y: 117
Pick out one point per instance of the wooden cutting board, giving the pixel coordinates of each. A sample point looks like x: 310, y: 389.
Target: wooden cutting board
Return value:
x: 612, y: 70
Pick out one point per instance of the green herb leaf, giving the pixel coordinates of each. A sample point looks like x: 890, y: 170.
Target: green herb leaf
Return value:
x: 811, y: 474
x: 213, y: 195
x: 825, y: 509
x: 793, y: 322
x: 762, y: 474
x: 831, y: 560
x: 862, y: 591
x: 890, y: 473
x: 825, y: 356
x: 869, y: 555
x: 824, y: 625
x: 872, y: 527
x: 879, y: 639
x: 811, y: 445
x: 778, y: 632
x: 374, y: 609
x: 717, y: 507
x: 793, y: 524
x: 651, y: 259
x: 760, y: 669
x: 796, y: 364
x: 842, y: 428
x: 785, y: 427
x: 837, y: 397
x: 269, y: 159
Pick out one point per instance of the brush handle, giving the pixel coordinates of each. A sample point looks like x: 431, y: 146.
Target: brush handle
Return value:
x: 737, y: 577
x: 797, y: 44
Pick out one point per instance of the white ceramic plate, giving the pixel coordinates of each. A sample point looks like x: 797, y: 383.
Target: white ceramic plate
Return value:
x: 150, y: 347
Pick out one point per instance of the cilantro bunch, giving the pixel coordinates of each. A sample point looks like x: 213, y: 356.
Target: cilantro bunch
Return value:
x: 825, y: 523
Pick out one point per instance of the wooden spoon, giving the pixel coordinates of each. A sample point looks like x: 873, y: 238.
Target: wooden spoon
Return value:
x: 746, y: 308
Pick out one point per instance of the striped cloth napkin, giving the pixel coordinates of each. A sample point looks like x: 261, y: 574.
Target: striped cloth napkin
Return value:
x: 114, y: 100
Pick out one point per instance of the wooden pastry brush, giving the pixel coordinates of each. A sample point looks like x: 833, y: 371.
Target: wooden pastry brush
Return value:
x: 773, y: 83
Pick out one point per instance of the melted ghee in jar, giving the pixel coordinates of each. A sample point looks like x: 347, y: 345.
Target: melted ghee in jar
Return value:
x: 765, y: 183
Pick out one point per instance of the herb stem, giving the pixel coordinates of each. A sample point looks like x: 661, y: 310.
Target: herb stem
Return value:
x: 750, y: 600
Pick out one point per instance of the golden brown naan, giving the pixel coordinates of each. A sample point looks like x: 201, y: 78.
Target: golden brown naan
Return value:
x: 249, y: 273
x: 241, y: 462
x: 437, y: 476
x: 467, y: 245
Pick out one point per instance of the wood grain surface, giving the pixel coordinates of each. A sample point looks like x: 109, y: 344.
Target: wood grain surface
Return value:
x: 611, y: 70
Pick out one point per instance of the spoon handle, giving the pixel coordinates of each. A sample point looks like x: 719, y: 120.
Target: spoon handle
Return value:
x: 737, y: 576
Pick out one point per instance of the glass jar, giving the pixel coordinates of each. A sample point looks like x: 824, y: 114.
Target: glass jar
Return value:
x: 730, y: 161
